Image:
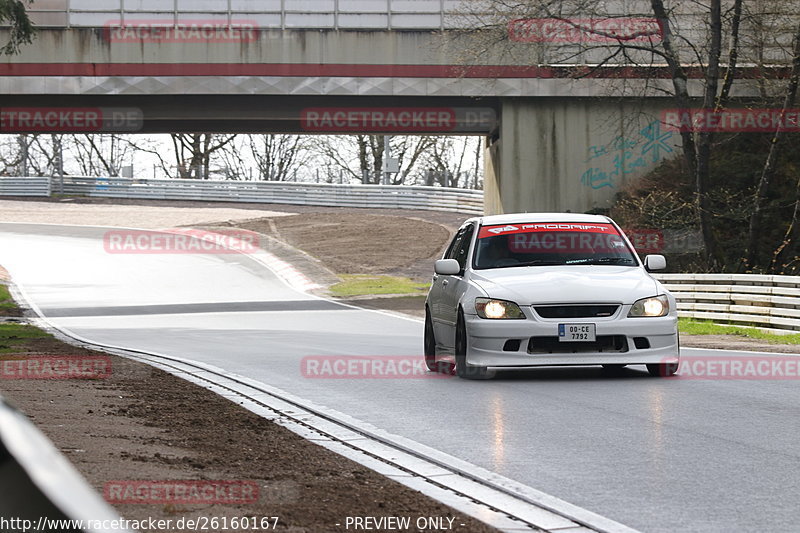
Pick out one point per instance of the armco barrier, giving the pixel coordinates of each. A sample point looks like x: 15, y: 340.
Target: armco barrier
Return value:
x: 38, y: 485
x: 753, y: 300
x: 38, y: 186
x: 322, y: 194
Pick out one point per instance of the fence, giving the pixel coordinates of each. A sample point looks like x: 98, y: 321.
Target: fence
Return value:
x: 753, y: 300
x: 25, y: 186
x: 322, y: 194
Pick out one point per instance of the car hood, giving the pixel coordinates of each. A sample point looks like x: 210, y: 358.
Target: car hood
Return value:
x: 567, y: 284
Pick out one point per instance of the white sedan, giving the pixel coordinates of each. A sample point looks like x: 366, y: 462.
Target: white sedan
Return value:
x: 528, y: 290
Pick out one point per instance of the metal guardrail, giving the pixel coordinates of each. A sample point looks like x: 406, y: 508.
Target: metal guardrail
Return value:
x: 747, y: 299
x: 38, y: 486
x: 37, y: 186
x: 322, y: 194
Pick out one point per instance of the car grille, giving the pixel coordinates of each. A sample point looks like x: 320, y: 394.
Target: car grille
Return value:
x: 575, y: 311
x: 604, y: 343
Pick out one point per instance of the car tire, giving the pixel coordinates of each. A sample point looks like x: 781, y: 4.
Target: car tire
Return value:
x: 429, y: 344
x: 463, y: 370
x: 662, y: 370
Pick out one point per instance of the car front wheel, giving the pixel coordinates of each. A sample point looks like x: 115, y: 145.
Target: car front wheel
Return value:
x: 463, y: 370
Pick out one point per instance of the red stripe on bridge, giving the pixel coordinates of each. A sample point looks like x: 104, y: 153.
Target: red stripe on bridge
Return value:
x: 350, y: 70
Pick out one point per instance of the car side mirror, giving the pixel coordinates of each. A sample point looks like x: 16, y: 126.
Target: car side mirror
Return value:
x: 655, y: 262
x: 447, y: 267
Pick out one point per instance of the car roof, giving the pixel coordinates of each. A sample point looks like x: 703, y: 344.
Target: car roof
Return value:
x: 519, y: 218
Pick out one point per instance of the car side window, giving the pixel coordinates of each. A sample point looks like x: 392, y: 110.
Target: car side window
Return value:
x: 462, y: 248
x: 454, y: 244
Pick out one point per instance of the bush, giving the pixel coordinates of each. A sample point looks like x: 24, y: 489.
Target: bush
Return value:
x: 665, y: 199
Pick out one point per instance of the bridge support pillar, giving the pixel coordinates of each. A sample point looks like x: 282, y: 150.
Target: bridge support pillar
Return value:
x: 559, y: 154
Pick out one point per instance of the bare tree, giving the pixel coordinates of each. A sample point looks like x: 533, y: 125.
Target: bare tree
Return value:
x: 30, y: 154
x: 768, y: 171
x: 447, y: 162
x: 279, y: 157
x: 410, y: 153
x: 370, y: 157
x: 335, y: 156
x: 22, y: 31
x: 232, y: 160
x: 12, y: 155
x: 361, y: 157
x: 100, y: 155
x: 193, y: 152
x: 273, y: 157
x: 680, y: 49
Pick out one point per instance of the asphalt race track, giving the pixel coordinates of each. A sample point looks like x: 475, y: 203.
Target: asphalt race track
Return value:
x: 656, y: 455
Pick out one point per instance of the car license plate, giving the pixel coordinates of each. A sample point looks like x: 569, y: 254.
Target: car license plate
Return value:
x: 576, y: 333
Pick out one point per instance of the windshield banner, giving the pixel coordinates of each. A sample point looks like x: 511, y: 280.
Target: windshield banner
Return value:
x: 557, y: 237
x: 546, y: 227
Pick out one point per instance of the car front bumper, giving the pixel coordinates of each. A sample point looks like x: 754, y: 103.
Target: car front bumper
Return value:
x: 488, y: 342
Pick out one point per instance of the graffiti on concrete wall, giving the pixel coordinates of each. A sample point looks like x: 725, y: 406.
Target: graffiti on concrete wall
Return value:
x: 626, y: 155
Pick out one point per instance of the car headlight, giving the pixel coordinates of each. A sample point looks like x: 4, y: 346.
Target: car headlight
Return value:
x: 655, y: 306
x: 497, y: 309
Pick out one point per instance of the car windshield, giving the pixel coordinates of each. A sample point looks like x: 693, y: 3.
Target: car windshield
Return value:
x: 546, y: 243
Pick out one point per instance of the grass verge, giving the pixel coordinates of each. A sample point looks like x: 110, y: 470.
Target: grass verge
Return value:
x: 16, y: 337
x: 365, y: 285
x: 6, y: 302
x: 692, y: 326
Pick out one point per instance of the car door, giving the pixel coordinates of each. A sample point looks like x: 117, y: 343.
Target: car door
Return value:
x: 453, y: 288
x: 438, y: 284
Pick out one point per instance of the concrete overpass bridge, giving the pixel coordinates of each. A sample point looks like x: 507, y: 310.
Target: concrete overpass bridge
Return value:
x: 554, y: 141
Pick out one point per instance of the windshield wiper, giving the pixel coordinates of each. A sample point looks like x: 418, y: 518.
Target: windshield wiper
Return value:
x: 599, y: 260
